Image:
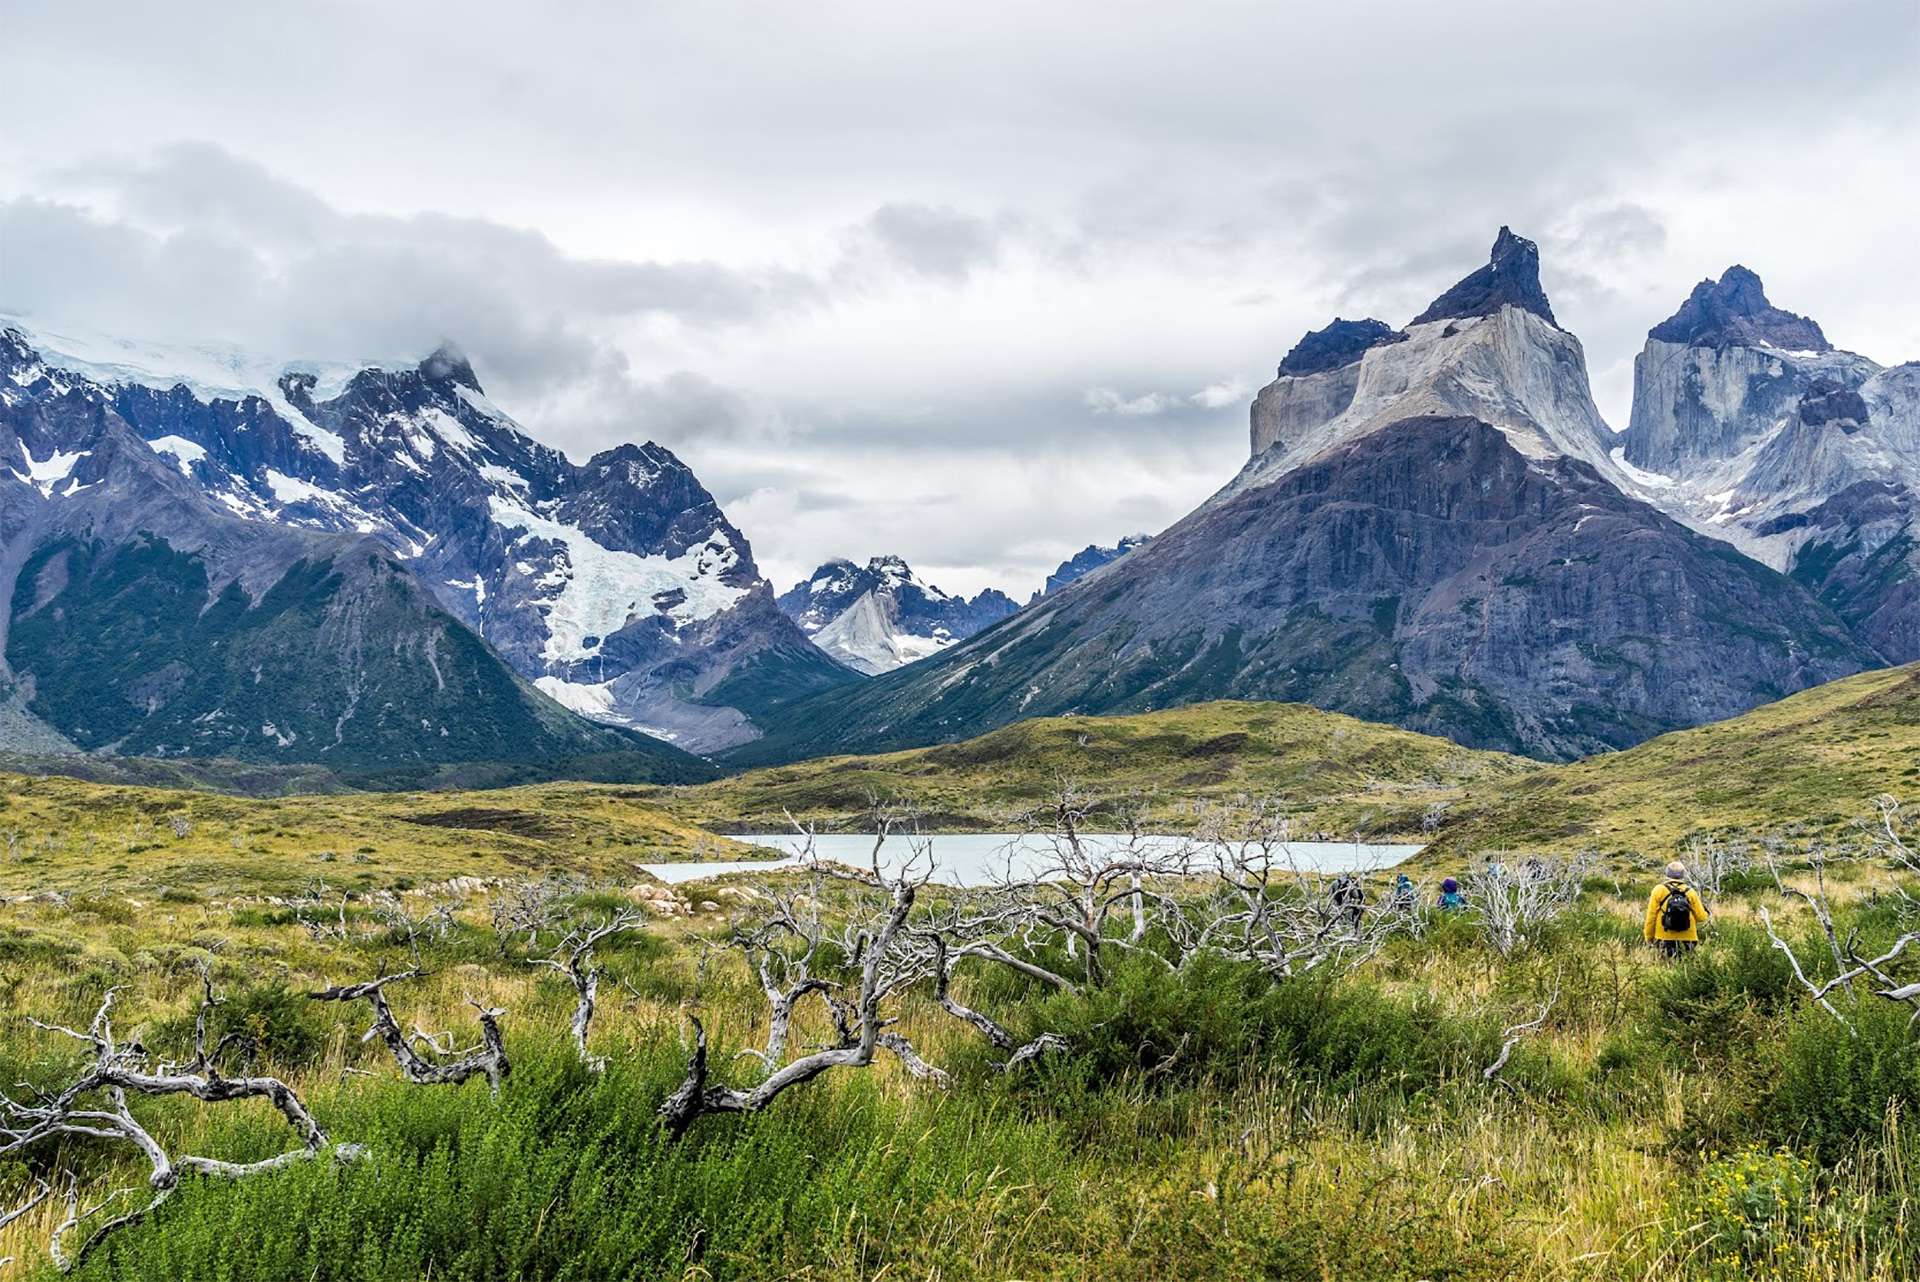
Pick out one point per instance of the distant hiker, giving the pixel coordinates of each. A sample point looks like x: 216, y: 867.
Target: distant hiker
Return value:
x: 1451, y: 900
x: 1349, y: 899
x: 1404, y: 896
x: 1674, y: 913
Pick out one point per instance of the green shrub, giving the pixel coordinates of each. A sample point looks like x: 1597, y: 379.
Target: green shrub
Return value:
x: 1219, y: 1018
x: 273, y: 1026
x: 1703, y: 1002
x: 1754, y: 1214
x: 1828, y: 1088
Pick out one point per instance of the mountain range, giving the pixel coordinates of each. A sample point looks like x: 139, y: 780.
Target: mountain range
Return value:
x: 336, y: 539
x: 1437, y: 529
x: 881, y: 616
x: 370, y: 567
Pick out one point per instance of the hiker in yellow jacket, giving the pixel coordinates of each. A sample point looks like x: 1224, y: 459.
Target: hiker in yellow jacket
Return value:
x: 1674, y: 913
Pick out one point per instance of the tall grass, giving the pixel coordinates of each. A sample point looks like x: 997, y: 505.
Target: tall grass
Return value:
x: 1684, y: 1120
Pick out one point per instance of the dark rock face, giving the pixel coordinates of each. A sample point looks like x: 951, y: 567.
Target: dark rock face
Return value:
x: 1427, y: 574
x: 1861, y: 557
x: 142, y: 618
x: 624, y: 569
x: 1087, y: 560
x: 1828, y: 402
x: 1341, y: 343
x: 1511, y: 278
x: 1734, y: 311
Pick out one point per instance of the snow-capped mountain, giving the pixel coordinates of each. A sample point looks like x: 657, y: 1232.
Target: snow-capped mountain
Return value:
x: 877, y: 617
x: 617, y: 585
x: 1086, y: 561
x: 144, y: 618
x: 1748, y: 424
x: 1433, y: 530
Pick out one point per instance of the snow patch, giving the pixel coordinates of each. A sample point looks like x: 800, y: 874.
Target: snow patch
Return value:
x: 596, y: 701
x: 291, y: 489
x: 592, y: 591
x: 502, y: 476
x: 183, y: 452
x: 50, y: 471
x: 1639, y: 476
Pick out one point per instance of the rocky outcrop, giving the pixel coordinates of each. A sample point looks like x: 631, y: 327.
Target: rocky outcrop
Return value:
x: 1511, y: 367
x: 1086, y: 561
x: 1748, y: 425
x: 1429, y: 574
x: 1341, y: 343
x: 1734, y: 312
x: 1511, y: 278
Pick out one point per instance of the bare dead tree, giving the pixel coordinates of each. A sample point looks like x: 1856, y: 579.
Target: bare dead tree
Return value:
x: 574, y: 958
x: 442, y: 1065
x: 528, y: 908
x: 782, y: 950
x: 886, y: 961
x: 320, y: 914
x: 1509, y: 899
x: 1266, y: 908
x: 95, y: 1105
x: 1073, y: 884
x: 941, y: 964
x: 1514, y: 1032
x: 1712, y: 861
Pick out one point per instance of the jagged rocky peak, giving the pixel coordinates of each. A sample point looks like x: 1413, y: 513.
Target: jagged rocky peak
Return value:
x: 618, y: 586
x: 876, y: 617
x: 1341, y: 343
x: 448, y: 364
x: 1511, y: 278
x: 1488, y: 348
x: 1734, y: 312
x: 1087, y: 560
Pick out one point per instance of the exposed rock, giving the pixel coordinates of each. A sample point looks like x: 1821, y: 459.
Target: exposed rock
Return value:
x: 1439, y: 535
x: 1734, y: 312
x: 1086, y: 561
x: 142, y: 618
x: 619, y: 586
x: 1828, y: 402
x: 1511, y: 278
x: 1429, y: 574
x: 1754, y: 429
x: 1341, y: 343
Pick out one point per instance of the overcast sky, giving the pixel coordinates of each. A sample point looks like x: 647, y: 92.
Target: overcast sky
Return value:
x: 974, y: 283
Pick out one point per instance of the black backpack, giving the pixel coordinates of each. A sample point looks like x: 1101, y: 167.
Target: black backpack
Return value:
x: 1676, y: 914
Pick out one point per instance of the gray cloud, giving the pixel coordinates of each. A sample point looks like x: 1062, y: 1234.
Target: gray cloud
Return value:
x: 862, y: 268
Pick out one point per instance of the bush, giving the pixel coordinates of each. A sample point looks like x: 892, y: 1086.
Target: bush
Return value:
x: 273, y: 1025
x: 1828, y: 1088
x: 1753, y: 1214
x: 1219, y: 1018
x: 1704, y: 1001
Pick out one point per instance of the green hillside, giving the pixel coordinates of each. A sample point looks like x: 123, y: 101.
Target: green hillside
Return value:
x: 1340, y: 775
x: 68, y: 835
x: 1812, y: 762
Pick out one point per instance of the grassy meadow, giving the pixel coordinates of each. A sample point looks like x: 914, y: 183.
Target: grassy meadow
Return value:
x: 1699, y: 1119
x: 1336, y: 773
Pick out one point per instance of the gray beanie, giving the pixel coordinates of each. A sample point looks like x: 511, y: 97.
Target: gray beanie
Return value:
x: 1677, y: 870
